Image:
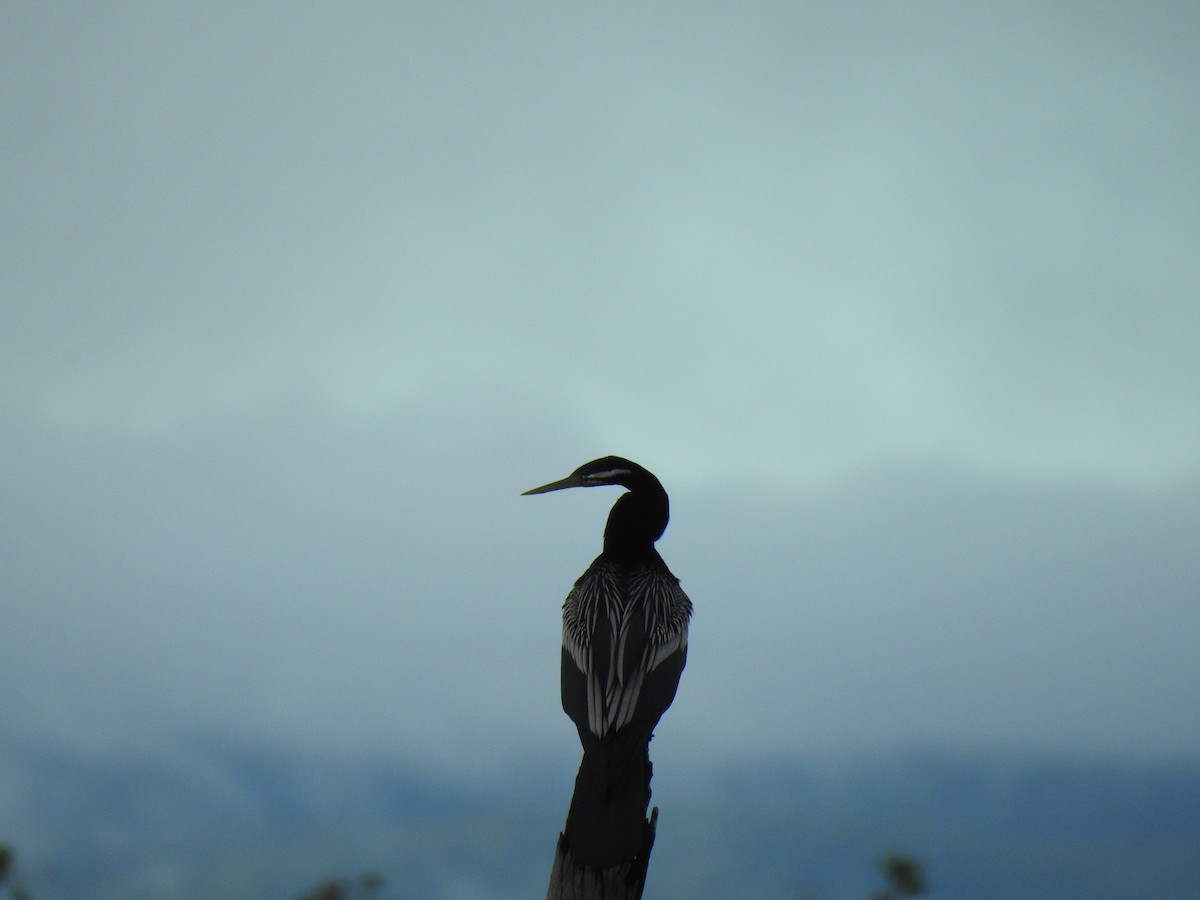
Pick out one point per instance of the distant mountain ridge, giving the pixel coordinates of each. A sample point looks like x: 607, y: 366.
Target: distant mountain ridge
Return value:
x: 215, y: 820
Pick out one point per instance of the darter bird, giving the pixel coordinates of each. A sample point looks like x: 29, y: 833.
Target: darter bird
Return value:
x: 624, y: 645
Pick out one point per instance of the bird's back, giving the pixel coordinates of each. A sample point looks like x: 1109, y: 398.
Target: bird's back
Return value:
x: 625, y: 627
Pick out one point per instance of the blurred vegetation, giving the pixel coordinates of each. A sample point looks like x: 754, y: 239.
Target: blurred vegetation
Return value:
x: 8, y: 877
x: 904, y: 877
x: 368, y: 886
x: 904, y: 874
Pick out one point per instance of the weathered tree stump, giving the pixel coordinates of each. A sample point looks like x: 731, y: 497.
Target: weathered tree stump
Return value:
x: 572, y: 880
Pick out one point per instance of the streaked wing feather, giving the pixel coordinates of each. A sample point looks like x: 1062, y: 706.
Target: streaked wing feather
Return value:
x: 617, y: 628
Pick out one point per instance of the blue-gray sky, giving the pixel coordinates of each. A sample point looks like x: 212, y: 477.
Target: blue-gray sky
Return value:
x: 901, y: 301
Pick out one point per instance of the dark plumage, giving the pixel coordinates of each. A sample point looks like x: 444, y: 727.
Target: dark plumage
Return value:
x: 625, y: 626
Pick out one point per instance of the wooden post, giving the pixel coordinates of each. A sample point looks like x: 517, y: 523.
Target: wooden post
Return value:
x: 572, y: 880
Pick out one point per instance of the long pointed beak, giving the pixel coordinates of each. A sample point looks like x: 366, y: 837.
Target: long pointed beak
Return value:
x: 569, y: 482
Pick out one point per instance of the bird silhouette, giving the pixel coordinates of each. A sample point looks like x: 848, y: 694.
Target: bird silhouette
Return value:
x: 624, y: 646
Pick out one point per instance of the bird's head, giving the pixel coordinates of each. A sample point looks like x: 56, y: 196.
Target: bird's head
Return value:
x: 638, y: 518
x: 605, y: 470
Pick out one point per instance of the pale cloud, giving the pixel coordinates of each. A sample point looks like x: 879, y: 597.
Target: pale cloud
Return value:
x: 853, y: 236
x: 296, y: 303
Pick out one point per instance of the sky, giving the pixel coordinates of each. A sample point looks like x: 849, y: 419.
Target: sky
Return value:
x: 900, y: 301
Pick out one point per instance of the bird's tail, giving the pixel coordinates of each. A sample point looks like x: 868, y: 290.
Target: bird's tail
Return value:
x: 606, y: 824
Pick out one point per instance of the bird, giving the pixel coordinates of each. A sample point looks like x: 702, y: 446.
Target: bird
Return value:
x: 624, y: 647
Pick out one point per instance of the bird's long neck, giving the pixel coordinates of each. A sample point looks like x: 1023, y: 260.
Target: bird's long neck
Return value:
x: 636, y: 521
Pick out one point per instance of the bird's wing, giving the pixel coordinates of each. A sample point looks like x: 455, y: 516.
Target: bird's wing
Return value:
x: 618, y: 632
